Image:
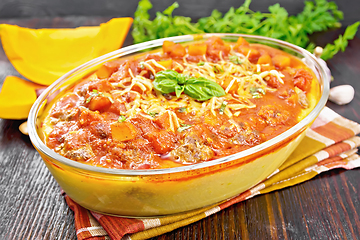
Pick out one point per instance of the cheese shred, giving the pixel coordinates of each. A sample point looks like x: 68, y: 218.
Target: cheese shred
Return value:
x: 237, y: 79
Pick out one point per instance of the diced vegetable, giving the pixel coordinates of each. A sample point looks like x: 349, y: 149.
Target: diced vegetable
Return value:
x: 265, y: 59
x: 281, y: 61
x: 166, y: 63
x: 162, y: 141
x: 123, y: 131
x: 104, y: 72
x: 241, y: 42
x: 173, y: 49
x: 197, y: 49
x: 99, y: 103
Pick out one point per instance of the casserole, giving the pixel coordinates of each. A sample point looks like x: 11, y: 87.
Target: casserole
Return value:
x: 163, y: 191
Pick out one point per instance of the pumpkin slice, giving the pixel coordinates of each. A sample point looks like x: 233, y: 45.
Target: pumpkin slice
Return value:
x: 16, y: 97
x: 43, y: 55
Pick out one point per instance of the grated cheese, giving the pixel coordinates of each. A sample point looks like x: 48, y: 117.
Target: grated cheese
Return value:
x: 236, y: 79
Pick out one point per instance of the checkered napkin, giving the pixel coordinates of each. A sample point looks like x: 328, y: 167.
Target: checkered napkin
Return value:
x: 330, y: 143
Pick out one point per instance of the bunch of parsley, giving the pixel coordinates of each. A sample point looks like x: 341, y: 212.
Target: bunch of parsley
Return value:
x: 317, y: 16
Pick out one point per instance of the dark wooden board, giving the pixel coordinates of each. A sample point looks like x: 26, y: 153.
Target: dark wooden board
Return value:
x: 326, y: 207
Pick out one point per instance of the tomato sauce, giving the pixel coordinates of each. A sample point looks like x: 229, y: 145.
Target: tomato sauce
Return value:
x: 115, y: 118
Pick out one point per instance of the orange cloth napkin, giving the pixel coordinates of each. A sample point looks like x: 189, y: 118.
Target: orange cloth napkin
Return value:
x: 330, y: 143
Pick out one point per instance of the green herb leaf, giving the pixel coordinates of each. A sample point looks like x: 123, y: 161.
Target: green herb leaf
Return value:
x: 217, y: 69
x: 179, y: 89
x: 93, y: 94
x: 166, y: 81
x: 235, y: 59
x: 201, y: 89
x: 341, y: 43
x: 201, y: 63
x: 182, y: 109
x: 256, y: 92
x: 183, y: 127
x: 141, y: 65
x: 153, y: 114
x: 121, y: 118
x: 317, y: 15
x: 110, y: 99
x: 222, y: 107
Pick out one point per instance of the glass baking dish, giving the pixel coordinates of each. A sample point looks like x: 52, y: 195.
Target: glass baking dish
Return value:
x: 158, y: 192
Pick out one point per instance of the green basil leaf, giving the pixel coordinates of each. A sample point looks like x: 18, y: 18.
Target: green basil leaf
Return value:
x: 182, y: 79
x: 203, y: 89
x: 179, y: 89
x: 167, y: 82
x: 167, y: 74
x: 165, y: 85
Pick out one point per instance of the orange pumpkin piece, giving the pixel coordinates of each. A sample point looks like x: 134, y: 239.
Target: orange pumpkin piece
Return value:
x: 166, y: 63
x: 104, y: 72
x: 241, y: 42
x: 173, y: 49
x: 44, y: 55
x: 16, y: 97
x: 264, y: 59
x: 197, y: 49
x: 251, y: 53
x: 215, y: 45
x: 281, y: 61
x: 167, y: 46
x: 99, y: 103
x: 123, y: 131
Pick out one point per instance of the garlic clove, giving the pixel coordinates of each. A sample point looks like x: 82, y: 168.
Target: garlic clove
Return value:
x: 342, y: 94
x: 23, y: 128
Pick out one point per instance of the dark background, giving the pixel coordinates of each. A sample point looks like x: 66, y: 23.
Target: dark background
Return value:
x: 118, y: 8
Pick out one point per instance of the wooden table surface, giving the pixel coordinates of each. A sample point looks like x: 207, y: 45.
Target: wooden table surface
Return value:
x: 326, y: 207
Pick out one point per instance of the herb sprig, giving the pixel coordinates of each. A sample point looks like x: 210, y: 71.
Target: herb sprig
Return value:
x: 257, y: 92
x: 96, y: 93
x: 201, y: 89
x: 317, y: 16
x: 183, y: 127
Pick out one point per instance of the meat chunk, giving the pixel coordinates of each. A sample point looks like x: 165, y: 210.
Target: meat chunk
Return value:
x: 273, y: 116
x: 302, y: 99
x: 192, y: 150
x: 80, y: 154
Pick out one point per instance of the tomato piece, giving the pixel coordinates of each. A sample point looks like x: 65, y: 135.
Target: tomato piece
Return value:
x: 302, y: 79
x: 215, y: 45
x: 162, y: 141
x: 251, y: 53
